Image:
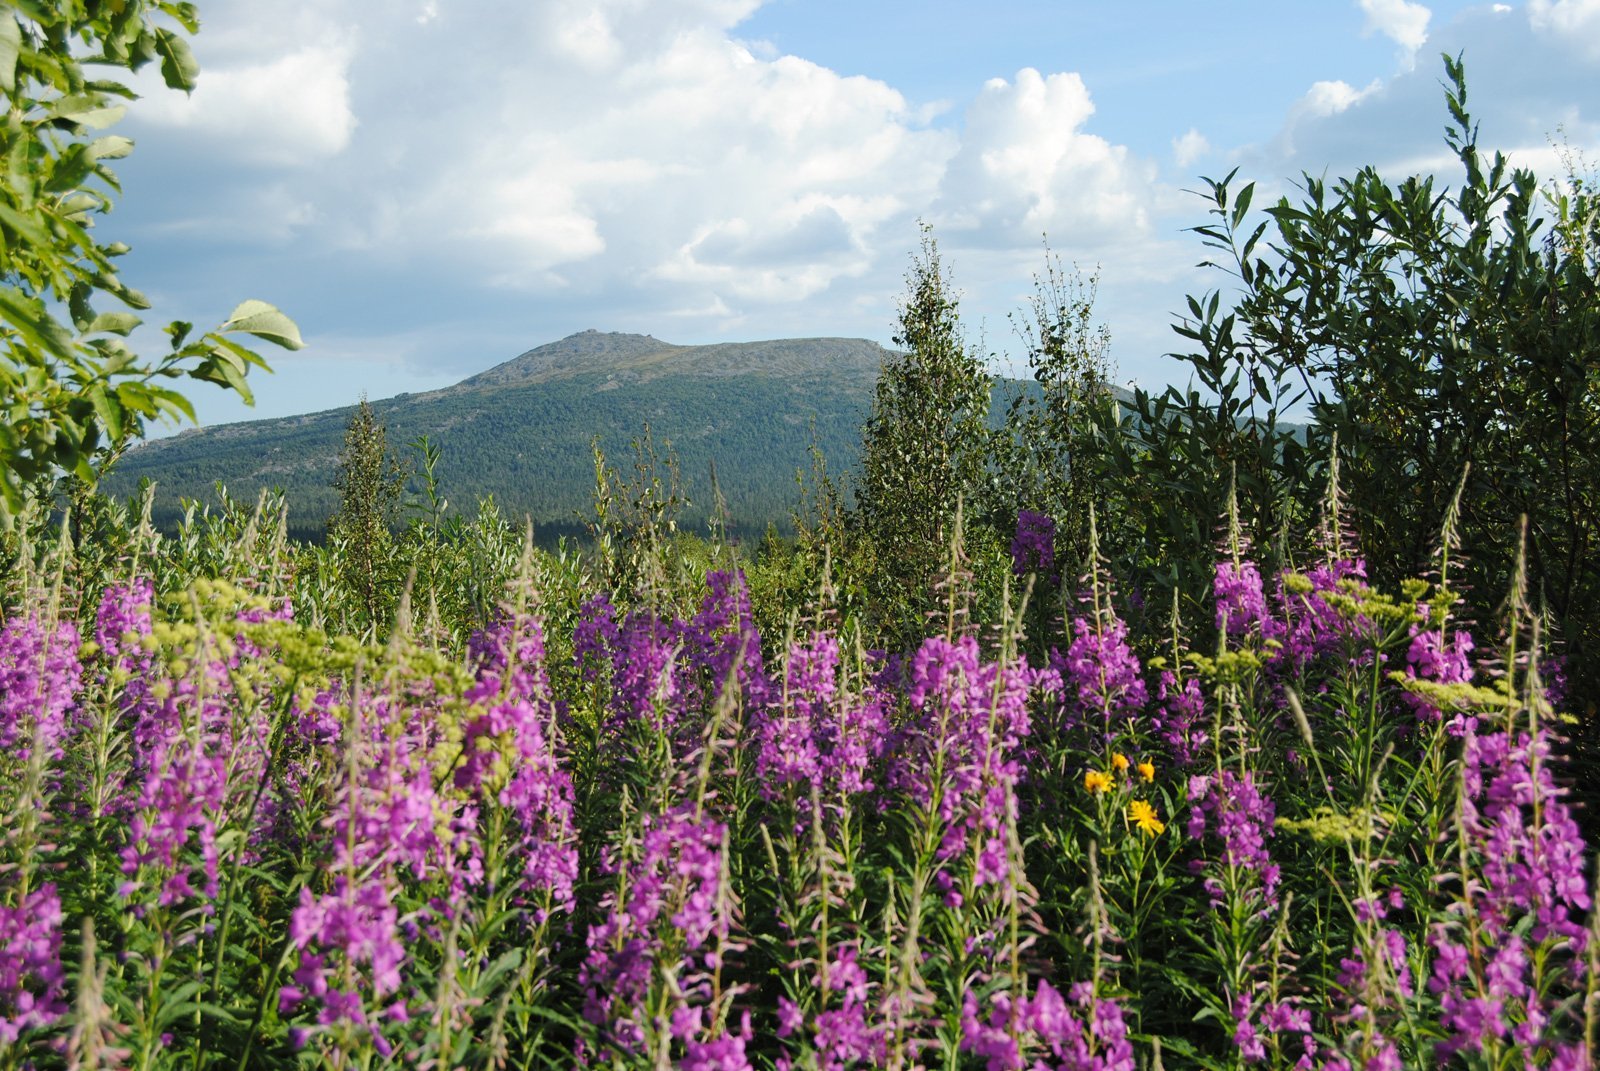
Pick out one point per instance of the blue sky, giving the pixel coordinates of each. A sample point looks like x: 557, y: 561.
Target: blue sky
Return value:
x: 431, y: 187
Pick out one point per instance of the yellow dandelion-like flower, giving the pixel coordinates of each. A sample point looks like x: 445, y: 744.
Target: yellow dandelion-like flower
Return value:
x: 1120, y: 761
x: 1143, y: 815
x: 1096, y: 781
x: 1147, y: 770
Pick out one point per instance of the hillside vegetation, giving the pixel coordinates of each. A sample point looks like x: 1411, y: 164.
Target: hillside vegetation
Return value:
x: 522, y: 431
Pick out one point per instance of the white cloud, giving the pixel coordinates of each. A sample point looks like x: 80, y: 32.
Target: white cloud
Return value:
x: 1026, y: 167
x: 290, y: 111
x: 1575, y: 21
x: 1191, y: 147
x: 1401, y: 21
x: 626, y: 161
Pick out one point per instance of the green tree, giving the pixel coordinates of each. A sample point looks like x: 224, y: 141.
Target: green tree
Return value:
x: 924, y: 446
x: 72, y: 393
x: 1435, y: 332
x: 369, y: 482
x: 1043, y: 456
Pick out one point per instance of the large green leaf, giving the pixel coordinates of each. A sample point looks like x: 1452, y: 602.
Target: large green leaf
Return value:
x: 264, y: 321
x: 178, y: 65
x: 115, y: 323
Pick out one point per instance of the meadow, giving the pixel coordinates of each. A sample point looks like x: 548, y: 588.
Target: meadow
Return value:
x: 1317, y: 824
x: 1126, y: 735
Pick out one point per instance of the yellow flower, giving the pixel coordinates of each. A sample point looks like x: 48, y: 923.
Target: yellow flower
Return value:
x: 1096, y: 781
x: 1120, y: 761
x: 1143, y: 815
x: 1147, y: 770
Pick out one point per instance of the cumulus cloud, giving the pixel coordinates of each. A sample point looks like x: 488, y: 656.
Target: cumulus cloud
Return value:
x: 1401, y: 21
x: 629, y: 163
x: 1575, y: 21
x: 1523, y: 70
x: 1192, y: 146
x: 1026, y: 166
x: 290, y: 111
x: 574, y: 146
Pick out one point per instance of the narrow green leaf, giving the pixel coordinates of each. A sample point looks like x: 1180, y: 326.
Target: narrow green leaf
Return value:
x: 171, y: 401
x: 10, y: 49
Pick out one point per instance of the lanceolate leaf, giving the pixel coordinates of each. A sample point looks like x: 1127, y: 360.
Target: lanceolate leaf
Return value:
x: 10, y: 49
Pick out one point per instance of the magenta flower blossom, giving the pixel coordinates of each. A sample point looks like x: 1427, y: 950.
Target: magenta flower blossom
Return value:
x: 969, y: 719
x: 1527, y: 904
x: 388, y: 825
x: 1081, y: 1032
x: 39, y: 680
x: 1311, y: 626
x: 1033, y: 548
x: 1180, y: 719
x: 1431, y: 658
x: 1241, y: 601
x: 815, y: 733
x: 182, y: 795
x: 509, y: 750
x: 667, y: 674
x: 1233, y: 810
x: 32, y: 982
x: 121, y: 623
x: 1283, y: 1023
x: 1100, y: 675
x: 673, y: 895
x: 354, y: 930
x: 845, y: 1032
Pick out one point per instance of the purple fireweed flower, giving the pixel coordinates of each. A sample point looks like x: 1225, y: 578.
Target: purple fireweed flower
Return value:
x: 595, y: 638
x: 674, y: 894
x: 1232, y: 809
x: 1100, y: 675
x: 666, y: 674
x: 389, y: 823
x: 121, y: 622
x: 509, y: 753
x: 348, y: 936
x: 1311, y: 626
x: 1283, y: 1024
x: 722, y: 641
x: 814, y: 732
x: 1241, y: 600
x: 1081, y: 1032
x: 182, y: 795
x: 969, y: 719
x: 845, y: 1032
x: 1431, y: 657
x: 32, y: 982
x: 1527, y: 903
x: 39, y: 679
x: 1033, y: 548
x: 1181, y: 721
x: 725, y: 1052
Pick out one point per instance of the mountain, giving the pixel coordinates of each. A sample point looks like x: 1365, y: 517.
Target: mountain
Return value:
x: 522, y: 430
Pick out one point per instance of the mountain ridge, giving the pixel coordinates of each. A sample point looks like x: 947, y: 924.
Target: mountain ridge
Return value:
x: 522, y: 429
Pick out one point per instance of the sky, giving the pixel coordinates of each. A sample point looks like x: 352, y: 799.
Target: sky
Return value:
x: 431, y: 187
